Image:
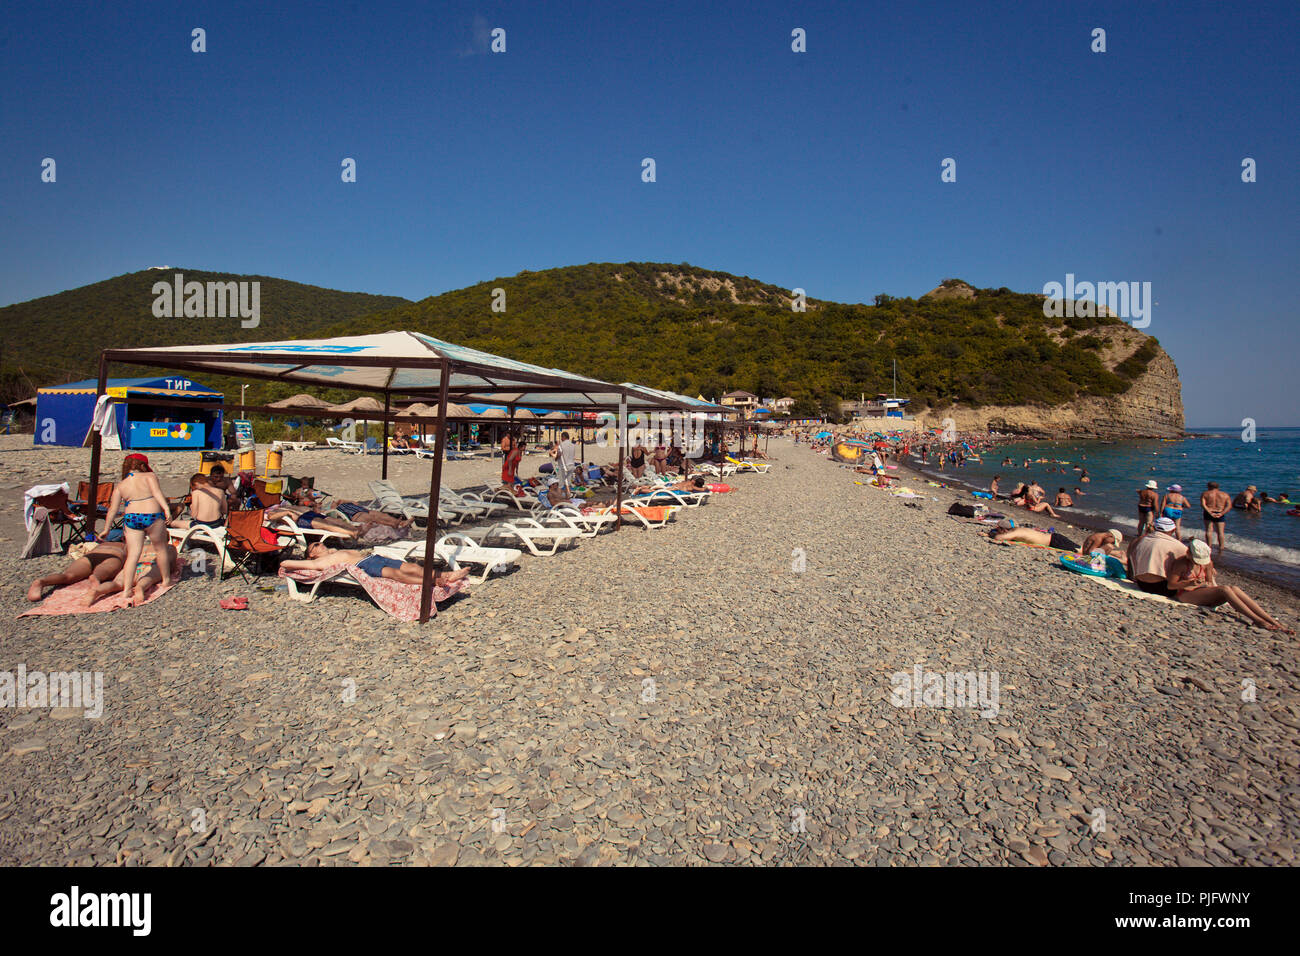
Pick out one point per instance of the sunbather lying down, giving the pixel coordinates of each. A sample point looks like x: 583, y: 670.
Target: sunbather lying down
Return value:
x: 688, y: 484
x: 1046, y: 539
x: 320, y: 557
x: 103, y: 563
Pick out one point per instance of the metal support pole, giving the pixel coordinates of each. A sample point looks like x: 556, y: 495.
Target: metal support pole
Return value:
x: 435, y: 492
x: 92, y: 498
x: 388, y: 404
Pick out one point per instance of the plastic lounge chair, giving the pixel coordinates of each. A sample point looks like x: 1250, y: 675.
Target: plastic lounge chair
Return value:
x: 182, y: 537
x: 287, y: 525
x: 539, y: 539
x: 390, y: 500
x: 588, y: 525
x: 457, y: 550
x: 470, y: 501
x: 646, y: 516
x: 350, y: 446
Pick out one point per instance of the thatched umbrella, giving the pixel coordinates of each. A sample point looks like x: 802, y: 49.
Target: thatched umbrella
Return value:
x: 301, y: 400
x: 493, y: 413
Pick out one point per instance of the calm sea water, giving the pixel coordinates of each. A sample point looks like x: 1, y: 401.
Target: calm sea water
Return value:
x: 1266, y: 544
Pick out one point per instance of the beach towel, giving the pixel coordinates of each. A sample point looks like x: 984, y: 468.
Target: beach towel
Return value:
x: 400, y: 600
x: 68, y: 600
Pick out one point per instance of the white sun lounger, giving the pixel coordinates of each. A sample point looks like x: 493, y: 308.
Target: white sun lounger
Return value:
x: 539, y: 539
x: 458, y: 551
x: 281, y: 445
x: 565, y: 516
x: 355, y: 447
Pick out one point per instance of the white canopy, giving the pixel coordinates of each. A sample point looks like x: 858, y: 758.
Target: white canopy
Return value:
x: 401, y: 363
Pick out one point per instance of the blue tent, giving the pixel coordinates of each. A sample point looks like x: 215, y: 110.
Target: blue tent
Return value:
x: 63, y: 413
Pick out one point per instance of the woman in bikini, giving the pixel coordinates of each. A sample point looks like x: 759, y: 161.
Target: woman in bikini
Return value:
x: 144, y: 514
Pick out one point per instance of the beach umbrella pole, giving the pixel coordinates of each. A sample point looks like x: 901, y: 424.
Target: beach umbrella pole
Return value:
x: 388, y: 404
x: 435, y: 492
x: 92, y: 498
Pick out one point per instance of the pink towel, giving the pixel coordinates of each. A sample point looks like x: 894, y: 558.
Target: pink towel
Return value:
x: 398, y: 599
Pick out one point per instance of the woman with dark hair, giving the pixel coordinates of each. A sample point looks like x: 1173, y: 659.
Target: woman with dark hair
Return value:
x: 144, y: 513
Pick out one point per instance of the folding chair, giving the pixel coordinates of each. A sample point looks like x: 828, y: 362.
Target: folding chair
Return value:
x: 71, y: 527
x: 244, y: 542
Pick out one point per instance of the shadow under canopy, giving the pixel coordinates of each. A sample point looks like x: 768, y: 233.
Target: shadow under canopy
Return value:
x: 409, y: 366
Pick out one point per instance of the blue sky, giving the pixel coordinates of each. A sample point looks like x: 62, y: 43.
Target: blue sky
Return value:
x: 819, y: 170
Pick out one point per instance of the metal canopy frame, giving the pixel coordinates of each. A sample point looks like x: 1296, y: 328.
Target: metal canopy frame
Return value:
x: 500, y: 383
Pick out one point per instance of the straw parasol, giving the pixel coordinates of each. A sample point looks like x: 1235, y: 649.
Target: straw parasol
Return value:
x: 301, y: 400
x: 523, y: 413
x: 364, y: 404
x: 493, y: 413
x: 558, y: 416
x: 458, y: 411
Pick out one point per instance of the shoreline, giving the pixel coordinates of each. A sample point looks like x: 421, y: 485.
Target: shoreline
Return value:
x: 1232, y: 573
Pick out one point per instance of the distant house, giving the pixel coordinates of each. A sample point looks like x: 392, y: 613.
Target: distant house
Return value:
x: 782, y: 406
x: 744, y: 403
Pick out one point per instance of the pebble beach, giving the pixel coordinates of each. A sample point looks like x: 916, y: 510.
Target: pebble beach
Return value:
x: 720, y: 691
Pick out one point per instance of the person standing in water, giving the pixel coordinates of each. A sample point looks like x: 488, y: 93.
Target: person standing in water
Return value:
x: 1215, y: 505
x: 1148, y: 501
x: 1173, y: 506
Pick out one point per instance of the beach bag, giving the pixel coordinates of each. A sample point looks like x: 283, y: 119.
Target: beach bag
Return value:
x: 961, y: 510
x: 546, y: 468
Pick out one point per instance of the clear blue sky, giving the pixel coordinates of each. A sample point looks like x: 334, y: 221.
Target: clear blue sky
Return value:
x: 819, y: 170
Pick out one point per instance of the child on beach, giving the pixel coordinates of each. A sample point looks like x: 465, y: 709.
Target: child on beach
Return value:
x: 144, y: 514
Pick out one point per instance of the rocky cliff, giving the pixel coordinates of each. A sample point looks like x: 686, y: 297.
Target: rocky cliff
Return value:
x: 1152, y: 407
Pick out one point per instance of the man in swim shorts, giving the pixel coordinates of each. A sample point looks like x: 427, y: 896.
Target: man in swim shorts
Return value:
x: 1005, y: 534
x: 1215, y: 505
x: 320, y: 557
x: 1148, y: 501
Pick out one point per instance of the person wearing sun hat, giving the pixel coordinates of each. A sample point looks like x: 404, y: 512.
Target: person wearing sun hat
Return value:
x: 1191, y: 580
x: 1148, y: 501
x: 1108, y: 542
x: 1151, y: 555
x: 1172, y: 507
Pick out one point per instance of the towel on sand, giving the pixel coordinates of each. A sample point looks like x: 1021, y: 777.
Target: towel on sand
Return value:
x: 398, y: 599
x: 69, y: 600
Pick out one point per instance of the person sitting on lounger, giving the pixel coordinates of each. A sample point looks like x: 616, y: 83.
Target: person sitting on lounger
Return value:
x: 320, y: 557
x: 1004, y: 533
x: 207, y: 505
x: 1192, y: 580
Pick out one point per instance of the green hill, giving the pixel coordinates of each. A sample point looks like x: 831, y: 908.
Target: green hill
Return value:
x: 57, y: 338
x: 696, y: 331
x: 678, y: 327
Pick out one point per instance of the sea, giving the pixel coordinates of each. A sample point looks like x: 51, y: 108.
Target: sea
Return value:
x: 1265, y: 545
